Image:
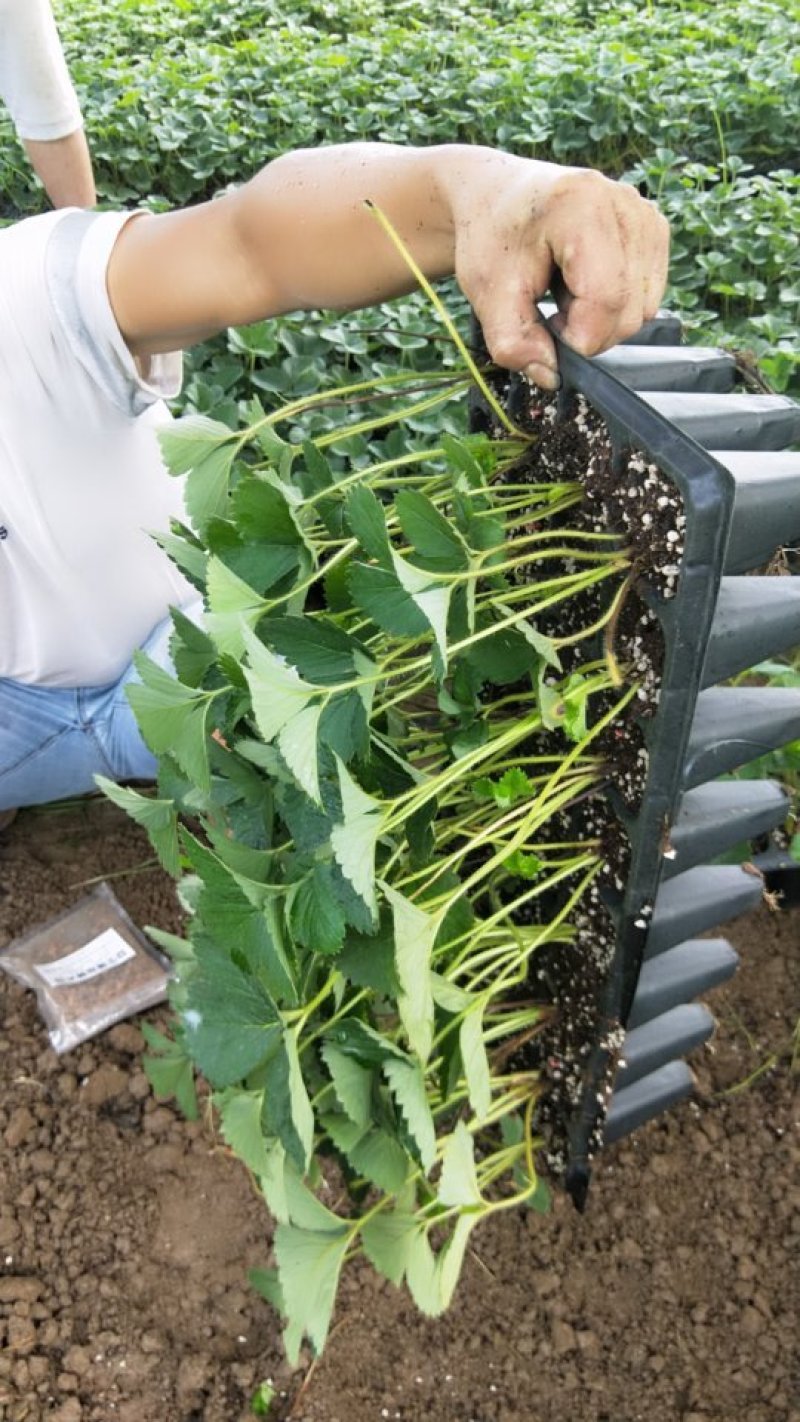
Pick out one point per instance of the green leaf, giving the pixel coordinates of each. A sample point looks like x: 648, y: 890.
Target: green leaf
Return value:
x: 321, y: 652
x: 188, y: 441
x: 231, y: 1022
x: 551, y: 704
x: 206, y: 489
x: 420, y: 833
x: 451, y: 1257
x: 462, y: 455
x: 513, y: 786
x: 576, y: 694
x: 543, y: 646
x: 278, y: 692
x: 352, y: 1083
x: 305, y: 1209
x: 278, y: 451
x: 157, y: 816
x: 421, y: 1275
x: 458, y: 1183
x: 316, y: 473
x: 260, y: 565
x: 191, y: 649
x: 366, y: 668
x: 240, y: 1123
x: 367, y: 521
x: 432, y: 1280
x: 297, y: 742
x: 368, y: 961
x: 169, y: 1070
x: 265, y: 757
x: 308, y: 826
x: 343, y: 726
x: 380, y: 594
x: 449, y: 996
x: 251, y: 864
x: 380, y: 1158
x: 302, y: 1112
x: 262, y: 513
x: 309, y: 1264
x: 267, y: 1284
x: 315, y: 916
x: 503, y: 657
x: 487, y: 533
x: 374, y: 1154
x: 178, y: 949
x: 172, y: 718
x: 540, y: 1198
x: 432, y: 599
x: 356, y: 1039
x: 358, y: 915
x: 407, y: 1084
x: 458, y: 919
x: 414, y: 936
x: 355, y: 839
x: 238, y: 915
x: 564, y: 707
x: 273, y: 1181
x: 337, y: 586
x: 189, y: 890
x: 227, y: 592
x: 475, y: 1060
x: 262, y: 1399
x: 188, y: 557
x: 524, y: 866
x: 286, y: 1109
x: 232, y: 606
x: 429, y: 532
x: 388, y: 1239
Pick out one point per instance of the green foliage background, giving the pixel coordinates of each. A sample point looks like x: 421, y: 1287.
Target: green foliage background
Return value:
x: 697, y: 102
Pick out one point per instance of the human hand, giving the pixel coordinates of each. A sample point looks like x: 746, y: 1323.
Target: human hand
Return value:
x: 528, y: 227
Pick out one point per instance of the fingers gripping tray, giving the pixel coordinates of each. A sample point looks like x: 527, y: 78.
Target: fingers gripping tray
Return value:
x: 724, y: 494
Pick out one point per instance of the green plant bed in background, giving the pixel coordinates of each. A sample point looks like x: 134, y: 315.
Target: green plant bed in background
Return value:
x: 697, y: 103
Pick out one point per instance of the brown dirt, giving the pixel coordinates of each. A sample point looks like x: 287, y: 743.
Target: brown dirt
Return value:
x: 126, y: 1233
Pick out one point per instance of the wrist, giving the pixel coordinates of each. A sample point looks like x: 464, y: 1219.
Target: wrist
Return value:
x: 471, y: 181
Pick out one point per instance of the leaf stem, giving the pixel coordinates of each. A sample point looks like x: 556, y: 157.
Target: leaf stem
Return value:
x: 446, y: 318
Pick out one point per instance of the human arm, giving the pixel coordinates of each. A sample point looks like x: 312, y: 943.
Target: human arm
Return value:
x: 64, y: 167
x: 35, y: 85
x: 300, y: 236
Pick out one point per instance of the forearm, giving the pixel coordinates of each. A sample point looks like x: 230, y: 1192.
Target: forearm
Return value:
x: 65, y: 168
x: 36, y: 86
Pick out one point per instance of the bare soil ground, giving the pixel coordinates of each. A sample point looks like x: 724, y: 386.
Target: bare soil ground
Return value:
x: 126, y: 1233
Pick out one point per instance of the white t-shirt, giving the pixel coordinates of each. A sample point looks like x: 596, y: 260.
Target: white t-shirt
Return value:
x: 82, y: 482
x: 34, y: 80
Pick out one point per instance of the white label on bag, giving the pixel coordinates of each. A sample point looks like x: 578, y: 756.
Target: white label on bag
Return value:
x: 104, y: 952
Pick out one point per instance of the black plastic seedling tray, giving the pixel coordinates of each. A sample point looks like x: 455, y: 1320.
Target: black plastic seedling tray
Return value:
x: 739, y: 487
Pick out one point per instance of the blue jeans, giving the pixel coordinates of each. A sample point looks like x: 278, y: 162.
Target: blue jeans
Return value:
x: 54, y: 740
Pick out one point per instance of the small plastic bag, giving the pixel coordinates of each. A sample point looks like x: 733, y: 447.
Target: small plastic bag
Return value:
x: 89, y: 967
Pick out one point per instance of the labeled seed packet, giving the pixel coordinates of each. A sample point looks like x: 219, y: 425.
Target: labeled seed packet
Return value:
x: 89, y: 967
